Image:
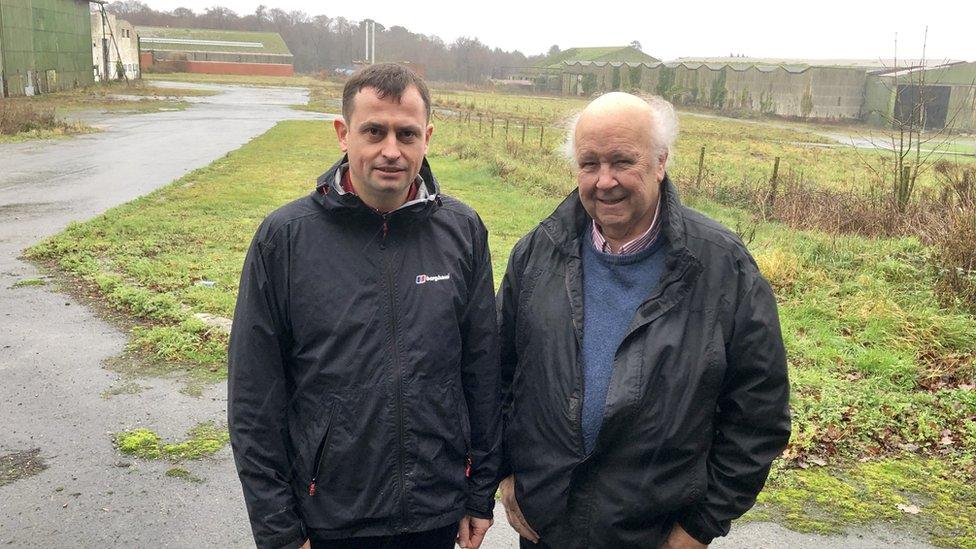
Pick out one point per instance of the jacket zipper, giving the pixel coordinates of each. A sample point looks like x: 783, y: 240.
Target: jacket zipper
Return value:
x: 398, y: 377
x: 319, y: 455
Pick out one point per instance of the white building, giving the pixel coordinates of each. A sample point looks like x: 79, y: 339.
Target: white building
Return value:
x: 114, y: 43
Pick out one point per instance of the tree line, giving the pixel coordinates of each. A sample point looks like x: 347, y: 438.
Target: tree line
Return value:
x: 323, y: 43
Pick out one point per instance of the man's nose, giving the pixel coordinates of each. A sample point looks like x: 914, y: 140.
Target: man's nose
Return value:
x: 605, y: 178
x: 391, y: 148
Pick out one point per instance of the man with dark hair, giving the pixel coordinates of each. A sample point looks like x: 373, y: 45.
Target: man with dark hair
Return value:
x: 363, y: 379
x: 644, y: 369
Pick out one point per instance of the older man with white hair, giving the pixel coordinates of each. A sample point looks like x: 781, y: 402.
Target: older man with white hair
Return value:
x: 644, y: 369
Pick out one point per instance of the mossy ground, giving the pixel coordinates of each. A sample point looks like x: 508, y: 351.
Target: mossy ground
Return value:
x: 28, y: 282
x: 183, y: 474
x: 204, y: 440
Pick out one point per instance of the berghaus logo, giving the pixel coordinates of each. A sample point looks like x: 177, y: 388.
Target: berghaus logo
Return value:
x: 424, y: 278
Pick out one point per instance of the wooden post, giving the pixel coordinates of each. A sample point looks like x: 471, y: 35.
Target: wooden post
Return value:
x: 773, y: 183
x: 479, y: 123
x: 492, y: 128
x: 542, y: 133
x: 523, y: 131
x: 701, y: 165
x: 506, y: 129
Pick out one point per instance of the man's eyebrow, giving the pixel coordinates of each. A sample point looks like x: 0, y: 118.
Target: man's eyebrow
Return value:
x: 369, y: 124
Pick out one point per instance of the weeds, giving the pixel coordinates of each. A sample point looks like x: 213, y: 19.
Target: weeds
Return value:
x: 22, y: 118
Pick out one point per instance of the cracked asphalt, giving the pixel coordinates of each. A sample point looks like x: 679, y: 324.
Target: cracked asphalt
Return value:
x: 52, y: 348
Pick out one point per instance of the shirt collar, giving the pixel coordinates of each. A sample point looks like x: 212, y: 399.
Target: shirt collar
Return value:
x: 647, y: 238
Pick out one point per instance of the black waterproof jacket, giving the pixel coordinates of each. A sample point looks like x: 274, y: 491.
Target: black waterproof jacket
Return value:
x: 697, y: 407
x: 363, y: 369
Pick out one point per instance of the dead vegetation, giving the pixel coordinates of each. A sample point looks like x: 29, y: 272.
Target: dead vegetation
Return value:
x: 21, y: 117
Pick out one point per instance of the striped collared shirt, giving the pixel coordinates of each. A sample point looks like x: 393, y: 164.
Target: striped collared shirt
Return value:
x: 635, y: 245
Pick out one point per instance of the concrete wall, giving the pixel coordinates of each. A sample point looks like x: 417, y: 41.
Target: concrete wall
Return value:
x: 124, y: 48
x: 44, y: 46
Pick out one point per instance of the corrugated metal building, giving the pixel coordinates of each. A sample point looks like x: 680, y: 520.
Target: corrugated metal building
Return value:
x: 45, y: 45
x: 214, y: 51
x: 943, y: 96
x: 871, y: 90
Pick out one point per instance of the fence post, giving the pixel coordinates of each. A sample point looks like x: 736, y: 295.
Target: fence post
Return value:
x: 701, y: 166
x: 773, y: 183
x: 523, y: 131
x: 479, y: 123
x: 492, y: 128
x: 506, y: 129
x: 542, y: 132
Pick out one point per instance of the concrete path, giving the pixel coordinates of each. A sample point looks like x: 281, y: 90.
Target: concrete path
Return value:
x: 52, y: 348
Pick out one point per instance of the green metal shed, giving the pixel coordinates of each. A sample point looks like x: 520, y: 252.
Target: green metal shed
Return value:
x: 45, y: 45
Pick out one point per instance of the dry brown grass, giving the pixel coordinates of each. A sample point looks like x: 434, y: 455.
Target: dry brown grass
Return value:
x: 22, y: 117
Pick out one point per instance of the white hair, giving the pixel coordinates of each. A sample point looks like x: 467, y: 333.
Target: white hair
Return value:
x: 664, y: 129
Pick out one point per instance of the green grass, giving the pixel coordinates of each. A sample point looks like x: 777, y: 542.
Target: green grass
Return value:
x: 882, y: 376
x: 28, y: 282
x: 204, y: 440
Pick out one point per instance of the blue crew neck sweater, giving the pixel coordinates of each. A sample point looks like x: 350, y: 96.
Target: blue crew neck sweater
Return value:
x: 614, y: 286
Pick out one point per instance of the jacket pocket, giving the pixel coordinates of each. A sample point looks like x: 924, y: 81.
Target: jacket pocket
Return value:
x: 321, y: 450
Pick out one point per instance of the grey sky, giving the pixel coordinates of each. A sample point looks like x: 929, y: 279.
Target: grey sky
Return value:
x: 820, y: 29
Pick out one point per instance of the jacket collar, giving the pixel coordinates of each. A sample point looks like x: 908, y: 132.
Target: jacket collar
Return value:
x: 569, y: 222
x: 328, y: 193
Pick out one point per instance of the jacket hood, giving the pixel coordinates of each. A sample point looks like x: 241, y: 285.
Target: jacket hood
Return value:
x: 569, y: 220
x: 347, y: 202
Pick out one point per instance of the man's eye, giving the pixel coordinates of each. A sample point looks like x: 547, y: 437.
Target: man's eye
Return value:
x: 405, y: 135
x: 373, y: 131
x: 624, y: 162
x: 587, y: 165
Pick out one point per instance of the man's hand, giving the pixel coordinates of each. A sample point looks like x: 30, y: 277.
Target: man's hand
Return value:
x: 680, y: 539
x: 307, y: 544
x: 512, y: 511
x: 471, y: 532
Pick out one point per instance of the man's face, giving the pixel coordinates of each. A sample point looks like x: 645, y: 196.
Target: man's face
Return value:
x: 386, y: 142
x: 619, y: 171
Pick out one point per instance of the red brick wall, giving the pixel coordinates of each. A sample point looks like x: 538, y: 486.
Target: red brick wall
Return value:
x: 223, y: 67
x: 145, y: 59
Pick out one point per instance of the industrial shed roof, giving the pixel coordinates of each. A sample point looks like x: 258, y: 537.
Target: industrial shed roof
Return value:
x: 211, y: 40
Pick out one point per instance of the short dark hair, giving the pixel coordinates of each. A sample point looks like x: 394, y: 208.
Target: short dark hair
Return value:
x: 389, y: 80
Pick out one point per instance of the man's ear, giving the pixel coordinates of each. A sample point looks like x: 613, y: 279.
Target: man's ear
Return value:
x: 342, y: 132
x: 427, y: 134
x: 661, y: 166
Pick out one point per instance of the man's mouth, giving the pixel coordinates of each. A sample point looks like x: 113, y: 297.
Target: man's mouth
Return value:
x: 390, y: 169
x: 610, y: 201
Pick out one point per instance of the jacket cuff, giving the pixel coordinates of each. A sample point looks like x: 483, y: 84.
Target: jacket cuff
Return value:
x: 290, y: 539
x: 482, y: 508
x: 696, y: 526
